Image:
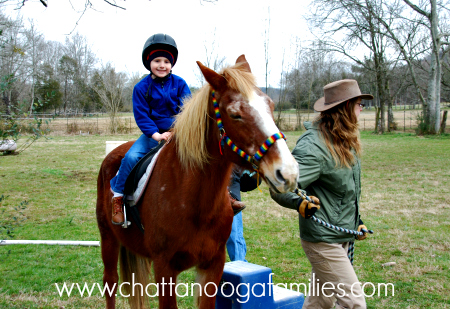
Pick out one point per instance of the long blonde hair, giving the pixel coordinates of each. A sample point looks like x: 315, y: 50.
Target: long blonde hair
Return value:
x: 191, y: 124
x: 339, y: 129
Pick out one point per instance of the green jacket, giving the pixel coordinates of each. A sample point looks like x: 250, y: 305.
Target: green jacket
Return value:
x: 338, y: 189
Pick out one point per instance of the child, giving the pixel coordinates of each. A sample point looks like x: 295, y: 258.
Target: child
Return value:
x: 157, y: 98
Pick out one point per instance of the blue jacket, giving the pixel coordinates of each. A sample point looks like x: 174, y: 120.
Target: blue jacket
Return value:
x: 167, y: 96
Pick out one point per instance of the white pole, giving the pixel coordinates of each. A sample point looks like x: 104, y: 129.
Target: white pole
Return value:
x: 51, y: 242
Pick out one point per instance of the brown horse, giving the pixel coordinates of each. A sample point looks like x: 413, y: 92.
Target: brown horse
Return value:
x: 185, y: 208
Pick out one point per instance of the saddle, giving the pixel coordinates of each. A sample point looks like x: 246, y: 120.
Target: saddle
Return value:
x: 132, y: 183
x: 139, y: 170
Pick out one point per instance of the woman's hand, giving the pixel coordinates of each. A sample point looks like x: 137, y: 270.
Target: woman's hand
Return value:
x: 308, y: 209
x: 360, y: 227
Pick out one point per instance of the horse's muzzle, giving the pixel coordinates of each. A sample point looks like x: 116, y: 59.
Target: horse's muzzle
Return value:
x: 281, y: 175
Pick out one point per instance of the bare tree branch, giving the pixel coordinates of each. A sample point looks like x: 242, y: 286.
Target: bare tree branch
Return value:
x: 417, y: 9
x: 115, y: 5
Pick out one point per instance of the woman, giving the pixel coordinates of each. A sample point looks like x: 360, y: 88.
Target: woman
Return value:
x: 328, y: 154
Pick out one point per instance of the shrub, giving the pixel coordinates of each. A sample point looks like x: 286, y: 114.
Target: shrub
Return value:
x: 15, y: 123
x: 9, y: 220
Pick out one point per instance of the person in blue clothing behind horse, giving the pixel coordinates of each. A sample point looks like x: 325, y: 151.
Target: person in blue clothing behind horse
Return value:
x: 241, y: 181
x: 157, y: 98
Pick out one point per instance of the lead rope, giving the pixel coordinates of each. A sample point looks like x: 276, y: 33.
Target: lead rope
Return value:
x: 351, y: 251
x: 351, y: 244
x: 257, y: 181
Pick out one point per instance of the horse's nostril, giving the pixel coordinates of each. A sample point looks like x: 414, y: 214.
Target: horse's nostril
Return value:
x: 279, y: 176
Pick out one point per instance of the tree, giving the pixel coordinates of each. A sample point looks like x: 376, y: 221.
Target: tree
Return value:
x: 12, y: 58
x: 343, y: 26
x: 266, y: 47
x: 67, y: 67
x: 109, y: 86
x: 35, y: 42
x: 282, y: 96
x: 88, y: 4
x: 388, y: 24
x: 431, y: 13
x: 48, y: 88
x: 128, y: 90
x: 313, y: 69
x: 212, y: 59
x: 77, y: 48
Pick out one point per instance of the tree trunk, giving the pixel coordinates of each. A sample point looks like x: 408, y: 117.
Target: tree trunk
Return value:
x: 7, y: 103
x: 430, y: 113
x: 377, y: 119
x: 443, y: 123
x: 391, y: 124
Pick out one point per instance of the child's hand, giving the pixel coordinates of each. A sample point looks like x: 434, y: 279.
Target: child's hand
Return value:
x: 159, y: 137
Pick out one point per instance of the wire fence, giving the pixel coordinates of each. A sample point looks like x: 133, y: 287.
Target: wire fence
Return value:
x: 90, y: 124
x: 100, y: 123
x: 404, y: 120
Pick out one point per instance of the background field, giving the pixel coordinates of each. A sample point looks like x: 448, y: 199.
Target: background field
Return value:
x: 406, y: 201
x: 406, y: 120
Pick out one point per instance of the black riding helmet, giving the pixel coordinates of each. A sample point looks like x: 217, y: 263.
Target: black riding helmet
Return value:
x: 159, y: 41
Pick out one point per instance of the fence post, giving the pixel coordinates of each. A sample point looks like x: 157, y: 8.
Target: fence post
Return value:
x: 404, y: 120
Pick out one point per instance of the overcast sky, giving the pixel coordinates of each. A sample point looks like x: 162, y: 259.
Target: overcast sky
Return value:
x: 237, y: 26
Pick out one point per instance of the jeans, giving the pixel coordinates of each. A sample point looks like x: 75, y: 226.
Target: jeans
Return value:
x: 236, y: 246
x: 139, y: 149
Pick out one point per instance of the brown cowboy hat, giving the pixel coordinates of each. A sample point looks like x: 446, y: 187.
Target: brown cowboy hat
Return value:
x: 337, y: 92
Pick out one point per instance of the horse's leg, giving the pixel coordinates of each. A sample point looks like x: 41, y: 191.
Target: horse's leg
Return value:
x: 166, y: 278
x: 110, y: 257
x: 209, y: 274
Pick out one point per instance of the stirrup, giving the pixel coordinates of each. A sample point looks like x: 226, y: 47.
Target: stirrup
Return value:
x: 125, y: 224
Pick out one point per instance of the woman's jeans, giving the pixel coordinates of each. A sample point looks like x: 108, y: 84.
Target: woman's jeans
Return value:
x: 139, y: 149
x: 236, y: 246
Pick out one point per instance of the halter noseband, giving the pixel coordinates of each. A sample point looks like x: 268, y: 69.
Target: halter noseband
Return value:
x: 261, y: 151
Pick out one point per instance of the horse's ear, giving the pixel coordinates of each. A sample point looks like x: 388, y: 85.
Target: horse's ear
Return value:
x: 241, y: 60
x: 216, y: 81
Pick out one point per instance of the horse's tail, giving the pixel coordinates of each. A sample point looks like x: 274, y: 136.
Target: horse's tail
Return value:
x: 135, y: 271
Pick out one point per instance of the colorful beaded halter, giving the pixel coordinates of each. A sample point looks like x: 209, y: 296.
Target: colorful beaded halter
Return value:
x: 261, y: 151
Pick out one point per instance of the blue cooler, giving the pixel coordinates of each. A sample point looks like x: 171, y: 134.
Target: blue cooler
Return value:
x: 249, y: 286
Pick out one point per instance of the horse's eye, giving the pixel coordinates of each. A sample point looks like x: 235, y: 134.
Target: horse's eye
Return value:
x: 235, y: 116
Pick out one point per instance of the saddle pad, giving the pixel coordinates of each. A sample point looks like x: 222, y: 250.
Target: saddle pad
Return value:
x: 133, y: 199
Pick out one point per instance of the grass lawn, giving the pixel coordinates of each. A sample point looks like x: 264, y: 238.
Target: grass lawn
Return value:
x: 405, y: 200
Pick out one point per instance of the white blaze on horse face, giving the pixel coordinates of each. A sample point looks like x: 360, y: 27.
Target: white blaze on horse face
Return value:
x: 284, y: 172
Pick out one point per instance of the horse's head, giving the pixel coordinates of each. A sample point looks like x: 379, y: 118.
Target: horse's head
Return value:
x: 248, y: 125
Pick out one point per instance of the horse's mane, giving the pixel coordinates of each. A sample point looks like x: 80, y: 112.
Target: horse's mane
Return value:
x: 192, y: 125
